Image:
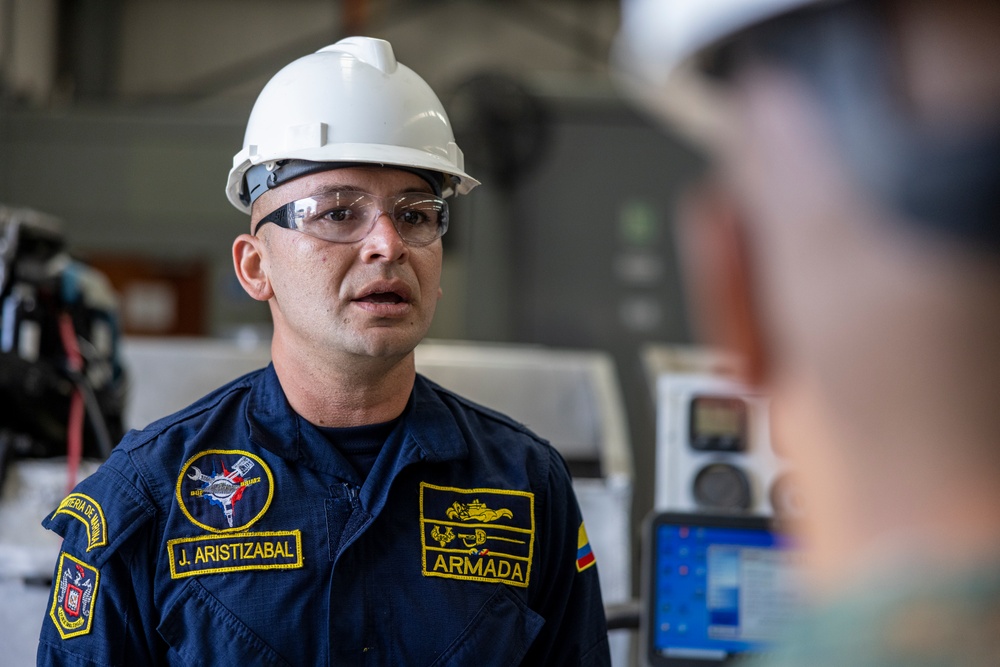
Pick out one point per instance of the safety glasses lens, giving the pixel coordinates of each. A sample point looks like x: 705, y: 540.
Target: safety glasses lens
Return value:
x: 348, y: 216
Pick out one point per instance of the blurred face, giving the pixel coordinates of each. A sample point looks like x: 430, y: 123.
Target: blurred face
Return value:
x: 374, y: 297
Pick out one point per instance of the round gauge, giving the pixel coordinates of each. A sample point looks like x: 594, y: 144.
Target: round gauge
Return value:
x: 722, y: 486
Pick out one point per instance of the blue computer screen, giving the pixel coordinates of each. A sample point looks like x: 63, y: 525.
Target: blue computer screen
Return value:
x: 720, y: 591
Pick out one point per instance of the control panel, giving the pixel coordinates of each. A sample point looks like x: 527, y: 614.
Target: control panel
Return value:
x: 714, y: 451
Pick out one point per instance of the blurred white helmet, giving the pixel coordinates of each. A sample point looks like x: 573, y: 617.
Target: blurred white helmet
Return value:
x: 349, y: 102
x: 655, y: 52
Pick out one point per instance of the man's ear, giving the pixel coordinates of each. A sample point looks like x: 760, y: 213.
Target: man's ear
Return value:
x: 248, y: 260
x: 718, y: 275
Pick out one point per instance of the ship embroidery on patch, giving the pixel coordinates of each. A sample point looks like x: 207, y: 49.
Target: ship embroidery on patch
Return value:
x: 477, y: 534
x: 74, y: 596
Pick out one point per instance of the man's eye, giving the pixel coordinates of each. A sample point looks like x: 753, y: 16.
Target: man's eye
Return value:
x: 414, y: 217
x: 338, y: 215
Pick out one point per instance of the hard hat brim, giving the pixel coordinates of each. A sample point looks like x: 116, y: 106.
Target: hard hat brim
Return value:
x: 456, y: 180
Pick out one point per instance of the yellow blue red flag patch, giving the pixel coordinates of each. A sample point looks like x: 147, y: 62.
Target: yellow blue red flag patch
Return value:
x: 584, y: 554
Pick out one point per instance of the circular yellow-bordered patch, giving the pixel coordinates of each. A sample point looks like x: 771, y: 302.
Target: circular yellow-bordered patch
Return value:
x: 224, y: 490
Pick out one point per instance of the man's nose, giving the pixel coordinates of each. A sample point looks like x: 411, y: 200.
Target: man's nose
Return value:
x: 383, y: 241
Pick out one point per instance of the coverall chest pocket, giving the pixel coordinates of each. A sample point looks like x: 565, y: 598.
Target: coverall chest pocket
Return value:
x: 202, y: 631
x: 500, y: 634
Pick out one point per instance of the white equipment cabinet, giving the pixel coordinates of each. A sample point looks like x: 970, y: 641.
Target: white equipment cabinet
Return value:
x: 714, y: 450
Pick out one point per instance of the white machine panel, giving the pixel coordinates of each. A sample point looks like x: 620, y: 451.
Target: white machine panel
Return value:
x: 714, y: 450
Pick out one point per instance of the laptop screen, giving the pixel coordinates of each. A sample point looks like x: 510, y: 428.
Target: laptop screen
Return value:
x: 718, y: 587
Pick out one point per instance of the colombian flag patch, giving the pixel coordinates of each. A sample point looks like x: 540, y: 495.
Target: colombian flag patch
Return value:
x: 584, y: 554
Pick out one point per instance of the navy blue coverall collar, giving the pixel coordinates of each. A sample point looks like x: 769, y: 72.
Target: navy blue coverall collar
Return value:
x: 427, y: 432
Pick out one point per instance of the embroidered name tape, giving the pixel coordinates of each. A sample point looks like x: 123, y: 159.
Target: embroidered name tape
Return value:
x: 224, y: 491
x: 215, y: 554
x: 477, y: 534
x: 86, y: 510
x: 74, y: 596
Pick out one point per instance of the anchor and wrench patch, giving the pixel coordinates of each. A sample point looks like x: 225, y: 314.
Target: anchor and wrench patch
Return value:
x: 224, y: 491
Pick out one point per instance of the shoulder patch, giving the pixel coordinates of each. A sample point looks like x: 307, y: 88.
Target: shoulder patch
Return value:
x: 74, y: 596
x: 584, y: 554
x: 224, y: 490
x: 477, y: 534
x: 88, y: 511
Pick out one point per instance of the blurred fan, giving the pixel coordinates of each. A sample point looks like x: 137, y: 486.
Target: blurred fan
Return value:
x: 502, y: 127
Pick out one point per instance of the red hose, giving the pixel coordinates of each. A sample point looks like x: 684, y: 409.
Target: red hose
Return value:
x: 74, y: 427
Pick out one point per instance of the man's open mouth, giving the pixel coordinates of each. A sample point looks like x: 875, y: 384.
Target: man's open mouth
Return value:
x: 383, y: 297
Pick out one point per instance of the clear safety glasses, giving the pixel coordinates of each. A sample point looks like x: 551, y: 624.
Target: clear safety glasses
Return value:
x: 348, y: 216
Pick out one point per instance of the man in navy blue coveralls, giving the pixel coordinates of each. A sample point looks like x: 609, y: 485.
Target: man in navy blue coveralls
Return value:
x: 334, y: 507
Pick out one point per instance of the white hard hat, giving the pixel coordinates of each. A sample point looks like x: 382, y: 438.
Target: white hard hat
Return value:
x: 349, y: 102
x: 659, y: 40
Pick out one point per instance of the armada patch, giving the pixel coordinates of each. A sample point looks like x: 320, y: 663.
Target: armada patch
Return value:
x: 75, y: 592
x: 86, y: 510
x: 216, y: 554
x: 477, y: 534
x: 224, y: 490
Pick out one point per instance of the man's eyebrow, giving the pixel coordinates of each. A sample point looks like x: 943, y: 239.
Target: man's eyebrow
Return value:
x: 338, y: 188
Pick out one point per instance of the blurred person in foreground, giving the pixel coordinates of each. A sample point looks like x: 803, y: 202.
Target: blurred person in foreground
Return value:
x: 334, y: 508
x: 849, y: 248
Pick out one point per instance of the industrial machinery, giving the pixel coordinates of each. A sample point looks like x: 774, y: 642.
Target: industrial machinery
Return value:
x: 61, y: 384
x: 714, y: 449
x: 719, y: 578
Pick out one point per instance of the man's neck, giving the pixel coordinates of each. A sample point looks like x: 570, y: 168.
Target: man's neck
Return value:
x: 945, y: 535
x: 912, y: 481
x: 925, y: 514
x: 351, y: 392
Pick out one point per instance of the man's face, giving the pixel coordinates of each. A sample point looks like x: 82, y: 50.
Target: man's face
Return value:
x: 374, y: 297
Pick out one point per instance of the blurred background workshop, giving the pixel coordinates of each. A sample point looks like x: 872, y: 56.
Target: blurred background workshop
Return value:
x: 563, y: 302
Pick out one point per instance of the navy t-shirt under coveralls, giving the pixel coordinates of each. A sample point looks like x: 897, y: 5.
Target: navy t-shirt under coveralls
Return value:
x: 231, y: 534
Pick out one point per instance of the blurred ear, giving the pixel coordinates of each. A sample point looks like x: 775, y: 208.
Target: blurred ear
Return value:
x: 248, y: 262
x: 718, y: 276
